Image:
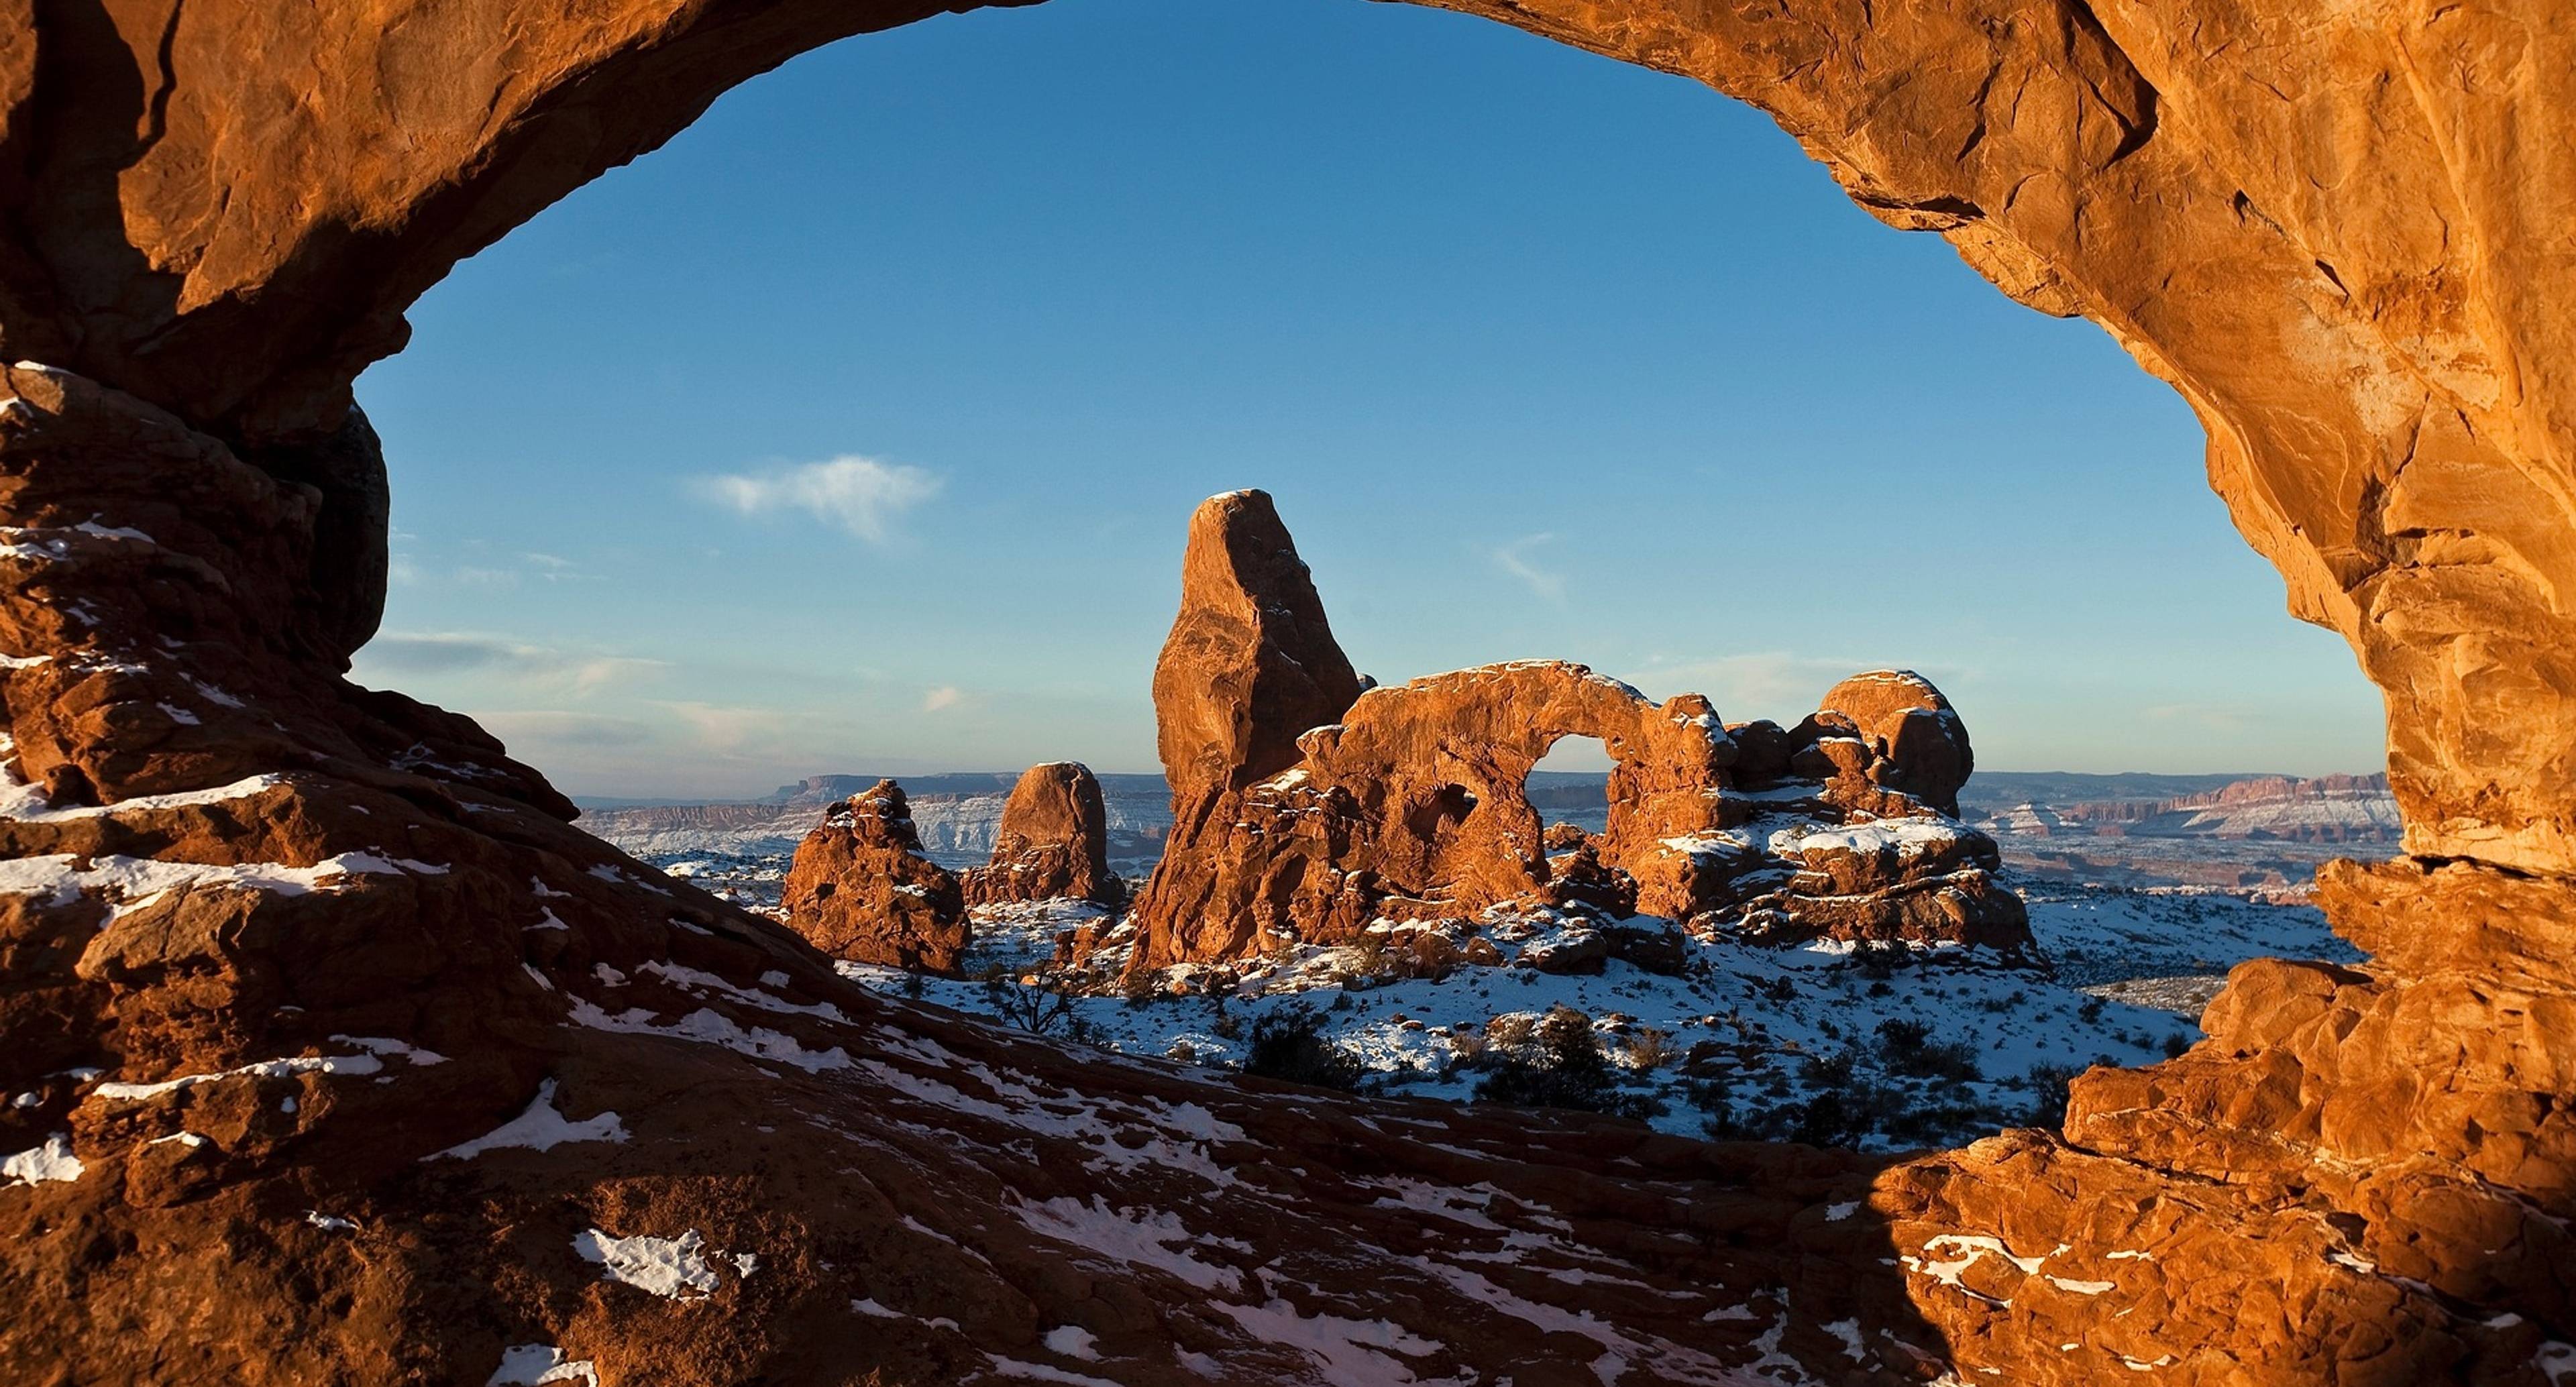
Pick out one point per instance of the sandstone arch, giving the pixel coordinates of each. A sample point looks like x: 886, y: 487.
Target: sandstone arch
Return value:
x: 1401, y: 747
x: 2341, y: 231
x: 1410, y: 805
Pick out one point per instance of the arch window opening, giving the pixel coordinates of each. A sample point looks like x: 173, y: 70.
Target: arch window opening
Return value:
x: 931, y: 537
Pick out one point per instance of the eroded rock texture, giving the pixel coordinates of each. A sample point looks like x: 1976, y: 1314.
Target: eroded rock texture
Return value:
x: 1410, y: 803
x: 2341, y: 231
x: 1053, y: 842
x: 336, y: 1054
x: 861, y: 888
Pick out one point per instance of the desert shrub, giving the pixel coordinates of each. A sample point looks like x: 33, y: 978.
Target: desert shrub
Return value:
x: 1720, y: 1120
x: 1289, y: 1044
x: 1041, y: 1006
x: 2176, y: 1045
x: 1369, y: 956
x: 1560, y: 1065
x: 1907, y: 1048
x: 2091, y: 1011
x: 1466, y: 1043
x: 1829, y: 1071
x: 1876, y: 958
x: 1649, y: 1049
x: 1511, y: 1031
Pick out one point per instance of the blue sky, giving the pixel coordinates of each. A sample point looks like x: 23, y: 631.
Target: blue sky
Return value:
x: 857, y: 428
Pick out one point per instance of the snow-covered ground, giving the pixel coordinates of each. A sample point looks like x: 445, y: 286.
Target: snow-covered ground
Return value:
x: 1882, y: 1049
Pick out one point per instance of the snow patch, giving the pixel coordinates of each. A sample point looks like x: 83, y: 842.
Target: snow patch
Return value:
x: 708, y: 1027
x: 52, y: 1161
x: 353, y: 1065
x: 671, y: 1268
x: 534, y: 1365
x: 540, y: 1128
x: 1072, y: 1341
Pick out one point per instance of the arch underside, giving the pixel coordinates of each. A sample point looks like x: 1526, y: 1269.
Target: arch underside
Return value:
x: 2342, y: 232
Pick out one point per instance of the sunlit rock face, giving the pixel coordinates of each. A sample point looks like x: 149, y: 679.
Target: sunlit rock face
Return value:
x: 1410, y: 802
x: 2341, y: 231
x: 860, y: 888
x: 1052, y: 844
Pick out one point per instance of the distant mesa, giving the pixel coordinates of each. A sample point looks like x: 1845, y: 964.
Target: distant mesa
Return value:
x: 861, y: 889
x: 2328, y: 809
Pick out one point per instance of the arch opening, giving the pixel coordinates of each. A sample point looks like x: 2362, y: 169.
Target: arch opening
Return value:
x: 191, y: 511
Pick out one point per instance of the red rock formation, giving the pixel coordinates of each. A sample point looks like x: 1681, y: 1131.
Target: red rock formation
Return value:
x: 336, y: 1053
x: 1053, y: 842
x: 1916, y: 741
x: 2340, y: 231
x: 1414, y: 804
x: 1250, y: 665
x: 860, y: 888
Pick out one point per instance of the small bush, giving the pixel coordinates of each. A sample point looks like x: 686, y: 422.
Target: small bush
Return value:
x: 1466, y: 1043
x: 1649, y: 1049
x: 1559, y: 1065
x: 1511, y: 1031
x: 1907, y: 1049
x: 1720, y: 1120
x: 1040, y: 1007
x: 1829, y: 1071
x: 2176, y: 1045
x: 1290, y: 1045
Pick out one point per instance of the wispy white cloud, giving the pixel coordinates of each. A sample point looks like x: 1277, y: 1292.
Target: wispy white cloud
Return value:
x: 484, y: 570
x: 861, y: 495
x: 944, y: 697
x: 554, y: 568
x: 1514, y: 559
x: 458, y: 652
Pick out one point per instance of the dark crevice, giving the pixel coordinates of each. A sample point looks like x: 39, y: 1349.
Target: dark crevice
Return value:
x: 157, y: 121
